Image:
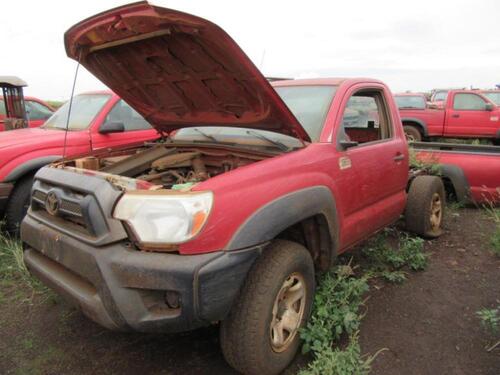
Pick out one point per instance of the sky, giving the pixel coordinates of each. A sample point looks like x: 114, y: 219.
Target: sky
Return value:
x: 410, y: 45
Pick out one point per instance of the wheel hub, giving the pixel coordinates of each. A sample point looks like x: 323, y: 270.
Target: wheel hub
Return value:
x: 288, y: 311
x: 436, y: 211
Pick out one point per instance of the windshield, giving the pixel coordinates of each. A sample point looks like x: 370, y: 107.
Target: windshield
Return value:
x: 309, y: 104
x: 409, y: 101
x: 493, y: 96
x: 440, y: 96
x: 83, y: 110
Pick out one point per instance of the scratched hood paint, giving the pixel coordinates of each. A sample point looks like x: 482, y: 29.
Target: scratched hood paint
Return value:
x: 178, y: 70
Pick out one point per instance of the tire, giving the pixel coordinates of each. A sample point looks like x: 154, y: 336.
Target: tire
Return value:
x: 412, y: 134
x: 425, y: 206
x: 246, y: 334
x: 18, y: 204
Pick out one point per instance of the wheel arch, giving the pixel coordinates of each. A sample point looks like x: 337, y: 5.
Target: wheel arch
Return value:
x: 454, y: 175
x: 311, y: 211
x: 417, y: 123
x: 29, y: 167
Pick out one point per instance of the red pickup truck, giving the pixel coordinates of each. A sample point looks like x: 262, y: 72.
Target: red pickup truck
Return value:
x: 471, y: 173
x: 228, y: 219
x: 466, y: 114
x: 37, y: 111
x: 98, y: 120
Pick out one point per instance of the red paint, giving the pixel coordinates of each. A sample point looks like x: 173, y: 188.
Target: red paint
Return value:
x: 33, y: 122
x: 20, y: 146
x: 184, y: 70
x: 369, y: 195
x: 481, y: 170
x: 445, y: 121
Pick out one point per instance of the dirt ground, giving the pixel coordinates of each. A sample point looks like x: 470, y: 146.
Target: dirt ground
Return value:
x: 427, y: 324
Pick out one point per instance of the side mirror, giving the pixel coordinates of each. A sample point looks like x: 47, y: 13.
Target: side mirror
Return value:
x: 348, y: 144
x: 112, y: 127
x: 488, y: 107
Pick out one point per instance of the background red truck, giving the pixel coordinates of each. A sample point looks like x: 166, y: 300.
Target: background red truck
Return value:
x: 466, y: 114
x: 228, y: 221
x: 37, y: 111
x: 98, y: 120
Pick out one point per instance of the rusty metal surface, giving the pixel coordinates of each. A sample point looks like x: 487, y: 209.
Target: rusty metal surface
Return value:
x: 139, y: 163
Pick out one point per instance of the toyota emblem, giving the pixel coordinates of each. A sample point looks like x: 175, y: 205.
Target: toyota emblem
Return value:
x: 52, y: 203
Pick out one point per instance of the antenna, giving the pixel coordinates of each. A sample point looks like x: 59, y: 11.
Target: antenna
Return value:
x: 70, y: 104
x: 262, y: 60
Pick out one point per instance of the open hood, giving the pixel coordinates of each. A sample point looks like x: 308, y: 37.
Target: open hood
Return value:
x: 178, y: 70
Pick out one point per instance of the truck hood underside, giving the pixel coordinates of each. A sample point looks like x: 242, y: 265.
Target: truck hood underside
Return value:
x: 178, y: 70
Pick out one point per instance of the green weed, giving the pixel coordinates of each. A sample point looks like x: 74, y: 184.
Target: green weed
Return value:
x: 13, y: 271
x: 493, y: 213
x: 429, y: 164
x: 336, y: 311
x: 336, y: 305
x: 490, y: 319
x: 349, y: 361
x: 387, y: 262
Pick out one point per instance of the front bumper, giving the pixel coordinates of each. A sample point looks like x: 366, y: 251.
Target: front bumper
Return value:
x: 124, y: 289
x: 5, y: 190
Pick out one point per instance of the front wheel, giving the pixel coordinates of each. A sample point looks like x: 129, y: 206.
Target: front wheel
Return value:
x: 412, y: 134
x: 425, y: 206
x: 260, y: 335
x: 18, y: 205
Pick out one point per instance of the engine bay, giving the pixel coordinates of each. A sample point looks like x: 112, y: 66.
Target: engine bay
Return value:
x: 165, y: 166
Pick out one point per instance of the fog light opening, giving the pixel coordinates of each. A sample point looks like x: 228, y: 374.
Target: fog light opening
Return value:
x: 172, y: 299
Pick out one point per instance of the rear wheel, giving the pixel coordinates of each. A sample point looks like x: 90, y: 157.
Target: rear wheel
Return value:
x: 260, y: 335
x: 412, y: 134
x: 425, y: 206
x: 18, y: 204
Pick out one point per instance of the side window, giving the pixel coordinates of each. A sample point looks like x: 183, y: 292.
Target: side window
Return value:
x: 468, y: 102
x: 2, y: 108
x: 365, y: 118
x: 37, y: 111
x: 122, y: 112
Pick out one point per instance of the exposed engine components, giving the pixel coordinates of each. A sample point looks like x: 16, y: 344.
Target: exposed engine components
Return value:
x: 171, y: 167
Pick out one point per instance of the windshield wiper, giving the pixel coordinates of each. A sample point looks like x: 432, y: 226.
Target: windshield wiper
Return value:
x: 208, y: 136
x: 278, y: 144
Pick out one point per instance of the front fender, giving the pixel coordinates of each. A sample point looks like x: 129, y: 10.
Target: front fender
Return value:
x: 29, y: 166
x: 281, y: 213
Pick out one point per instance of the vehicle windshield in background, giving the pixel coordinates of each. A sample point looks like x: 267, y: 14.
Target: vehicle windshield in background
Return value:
x: 408, y: 101
x: 309, y: 104
x: 37, y: 111
x: 440, y: 96
x: 493, y: 96
x: 83, y: 110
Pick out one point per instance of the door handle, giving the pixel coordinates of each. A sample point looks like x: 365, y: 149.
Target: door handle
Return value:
x: 455, y: 115
x: 399, y: 157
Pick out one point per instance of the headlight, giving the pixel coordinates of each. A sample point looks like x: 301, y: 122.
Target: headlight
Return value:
x: 164, y: 217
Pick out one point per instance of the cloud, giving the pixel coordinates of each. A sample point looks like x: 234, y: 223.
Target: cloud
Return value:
x: 410, y: 45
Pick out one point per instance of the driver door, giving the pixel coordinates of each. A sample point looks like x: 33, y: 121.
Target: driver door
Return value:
x: 468, y: 117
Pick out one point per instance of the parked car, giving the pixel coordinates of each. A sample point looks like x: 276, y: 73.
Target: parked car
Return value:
x: 229, y: 219
x: 20, y: 111
x: 37, y: 111
x: 471, y: 173
x: 98, y: 120
x: 466, y: 114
